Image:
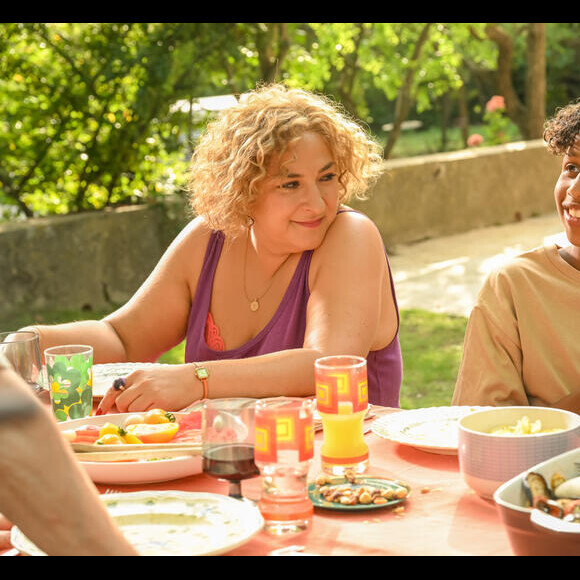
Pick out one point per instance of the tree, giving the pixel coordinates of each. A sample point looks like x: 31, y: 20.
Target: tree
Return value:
x: 87, y: 117
x: 407, y: 94
x: 345, y: 59
x: 527, y: 111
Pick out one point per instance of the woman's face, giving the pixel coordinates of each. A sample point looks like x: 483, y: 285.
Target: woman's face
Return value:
x: 567, y: 193
x: 298, y: 199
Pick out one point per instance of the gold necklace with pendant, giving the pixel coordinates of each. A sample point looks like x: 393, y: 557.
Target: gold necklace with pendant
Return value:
x: 255, y: 302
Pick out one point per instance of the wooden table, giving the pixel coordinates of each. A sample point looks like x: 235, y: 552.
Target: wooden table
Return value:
x: 441, y: 517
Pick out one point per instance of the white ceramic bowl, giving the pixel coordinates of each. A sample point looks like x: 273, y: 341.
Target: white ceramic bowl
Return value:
x: 531, y: 532
x: 487, y: 460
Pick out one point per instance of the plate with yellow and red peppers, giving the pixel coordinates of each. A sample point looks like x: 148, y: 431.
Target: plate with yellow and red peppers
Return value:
x: 137, y: 447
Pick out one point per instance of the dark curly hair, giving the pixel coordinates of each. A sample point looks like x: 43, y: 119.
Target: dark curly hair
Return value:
x: 562, y: 129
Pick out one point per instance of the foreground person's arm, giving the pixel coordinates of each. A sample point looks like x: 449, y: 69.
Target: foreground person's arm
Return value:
x: 43, y: 489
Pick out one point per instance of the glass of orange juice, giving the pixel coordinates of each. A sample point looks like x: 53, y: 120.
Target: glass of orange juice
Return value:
x: 284, y: 448
x: 342, y: 401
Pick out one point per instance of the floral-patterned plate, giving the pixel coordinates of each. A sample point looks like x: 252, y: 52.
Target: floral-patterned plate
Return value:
x: 174, y: 523
x: 433, y: 429
x: 105, y: 374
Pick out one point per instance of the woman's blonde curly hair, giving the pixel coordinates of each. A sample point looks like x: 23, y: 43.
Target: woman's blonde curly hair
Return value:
x: 233, y: 154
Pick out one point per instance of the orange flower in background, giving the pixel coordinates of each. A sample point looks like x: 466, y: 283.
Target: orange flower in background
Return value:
x: 474, y: 140
x: 496, y: 103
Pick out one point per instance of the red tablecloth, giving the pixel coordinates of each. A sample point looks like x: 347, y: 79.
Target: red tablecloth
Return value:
x: 441, y: 517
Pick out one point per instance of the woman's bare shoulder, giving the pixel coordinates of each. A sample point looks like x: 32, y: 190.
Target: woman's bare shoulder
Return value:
x: 192, y: 238
x: 352, y: 229
x: 352, y: 242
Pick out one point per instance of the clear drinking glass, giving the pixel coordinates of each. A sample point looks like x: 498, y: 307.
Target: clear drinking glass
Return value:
x: 22, y: 349
x: 228, y: 441
x: 284, y: 449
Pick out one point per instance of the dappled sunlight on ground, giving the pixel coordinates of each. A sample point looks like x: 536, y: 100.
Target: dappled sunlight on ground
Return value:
x: 445, y: 274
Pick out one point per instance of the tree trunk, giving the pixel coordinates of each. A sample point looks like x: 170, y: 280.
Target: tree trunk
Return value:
x: 536, y: 80
x: 514, y: 107
x: 273, y: 44
x: 528, y: 116
x: 349, y: 73
x: 463, y: 114
x: 406, y: 97
x: 445, y: 108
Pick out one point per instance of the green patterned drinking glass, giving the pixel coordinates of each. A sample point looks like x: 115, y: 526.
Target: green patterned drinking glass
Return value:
x: 70, y: 380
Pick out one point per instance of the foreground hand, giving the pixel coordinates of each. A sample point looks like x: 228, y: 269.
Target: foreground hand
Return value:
x: 5, y: 527
x: 169, y: 387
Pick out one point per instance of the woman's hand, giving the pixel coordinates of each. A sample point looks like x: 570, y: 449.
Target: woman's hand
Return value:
x: 169, y: 387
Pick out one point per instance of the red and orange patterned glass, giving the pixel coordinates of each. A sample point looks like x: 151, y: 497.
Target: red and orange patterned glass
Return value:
x: 283, y: 451
x: 342, y: 401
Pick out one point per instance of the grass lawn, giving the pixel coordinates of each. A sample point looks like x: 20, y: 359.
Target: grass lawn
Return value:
x: 432, y: 344
x: 428, y: 141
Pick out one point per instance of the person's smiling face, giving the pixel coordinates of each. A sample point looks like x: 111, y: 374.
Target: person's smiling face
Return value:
x: 567, y: 196
x: 298, y: 199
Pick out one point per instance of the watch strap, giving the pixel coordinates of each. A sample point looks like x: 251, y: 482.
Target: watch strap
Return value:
x: 202, y: 374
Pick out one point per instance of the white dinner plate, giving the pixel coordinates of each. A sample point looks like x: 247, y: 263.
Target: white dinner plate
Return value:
x: 174, y: 523
x: 150, y: 470
x: 105, y: 374
x: 433, y: 429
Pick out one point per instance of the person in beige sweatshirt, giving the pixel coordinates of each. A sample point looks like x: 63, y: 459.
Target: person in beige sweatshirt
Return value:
x: 522, y: 343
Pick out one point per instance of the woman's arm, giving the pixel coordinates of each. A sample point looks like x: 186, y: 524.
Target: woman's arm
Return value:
x: 351, y: 310
x: 174, y: 387
x: 107, y: 346
x: 154, y: 320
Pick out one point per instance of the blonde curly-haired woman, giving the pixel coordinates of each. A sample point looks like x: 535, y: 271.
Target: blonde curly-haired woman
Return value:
x: 274, y: 272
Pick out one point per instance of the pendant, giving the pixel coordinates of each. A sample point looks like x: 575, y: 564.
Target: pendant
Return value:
x: 254, y: 305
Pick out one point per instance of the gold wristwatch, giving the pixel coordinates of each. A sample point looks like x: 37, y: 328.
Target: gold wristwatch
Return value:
x: 202, y: 374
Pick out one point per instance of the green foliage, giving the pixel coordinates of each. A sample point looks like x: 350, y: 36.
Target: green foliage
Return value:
x: 88, y: 121
x: 426, y: 142
x: 497, y: 127
x: 174, y: 356
x: 88, y: 118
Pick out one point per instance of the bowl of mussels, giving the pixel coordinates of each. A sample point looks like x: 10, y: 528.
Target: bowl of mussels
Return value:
x: 541, y: 507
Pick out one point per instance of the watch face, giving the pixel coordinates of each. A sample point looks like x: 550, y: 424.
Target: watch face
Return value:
x: 201, y: 373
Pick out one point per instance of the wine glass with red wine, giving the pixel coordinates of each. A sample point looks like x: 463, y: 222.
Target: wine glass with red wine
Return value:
x: 228, y: 441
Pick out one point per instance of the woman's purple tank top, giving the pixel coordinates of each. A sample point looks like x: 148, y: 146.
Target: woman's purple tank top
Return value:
x: 286, y: 329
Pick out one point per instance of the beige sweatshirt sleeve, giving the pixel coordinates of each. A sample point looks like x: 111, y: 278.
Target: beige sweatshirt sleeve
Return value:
x: 491, y: 367
x: 522, y: 341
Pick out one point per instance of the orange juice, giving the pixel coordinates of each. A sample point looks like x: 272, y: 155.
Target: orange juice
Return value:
x: 344, y: 447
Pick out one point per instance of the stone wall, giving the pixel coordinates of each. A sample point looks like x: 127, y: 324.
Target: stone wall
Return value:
x: 85, y: 261
x: 437, y: 195
x: 96, y: 260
